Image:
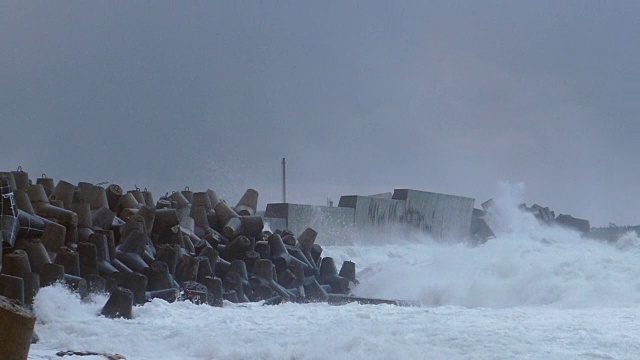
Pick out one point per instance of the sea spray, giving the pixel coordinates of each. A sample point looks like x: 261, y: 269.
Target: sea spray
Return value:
x: 534, y: 292
x: 527, y: 264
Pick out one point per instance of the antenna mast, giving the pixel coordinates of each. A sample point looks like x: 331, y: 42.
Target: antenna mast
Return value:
x: 284, y: 180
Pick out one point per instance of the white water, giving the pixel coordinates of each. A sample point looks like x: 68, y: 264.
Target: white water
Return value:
x: 534, y: 292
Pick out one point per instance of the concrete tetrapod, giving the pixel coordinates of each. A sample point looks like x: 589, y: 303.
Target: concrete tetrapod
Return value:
x: 114, y: 193
x: 131, y: 251
x: 187, y: 269
x: 237, y: 279
x: 199, y: 216
x: 133, y: 223
x: 188, y: 194
x: 214, y: 199
x: 22, y: 202
x: 97, y: 197
x: 148, y: 198
x: 201, y: 199
x: 137, y: 194
x: 47, y: 183
x: 250, y: 226
x: 329, y: 276
x: 85, y: 222
x: 16, y: 326
x: 119, y: 305
x: 159, y: 277
x: 168, y: 295
x: 53, y: 238
x: 70, y: 260
x: 248, y: 203
x: 96, y: 284
x: 263, y: 275
x: 204, y: 269
x: 127, y: 201
x: 76, y: 284
x: 105, y: 268
x: 314, y: 291
x: 148, y: 213
x: 195, y: 292
x: 214, y: 285
x: 348, y: 271
x: 306, y: 263
x: 224, y: 213
x: 280, y: 256
x: 9, y: 224
x: 63, y: 192
x: 170, y: 254
x: 36, y: 252
x: 16, y: 263
x: 31, y: 226
x: 88, y: 255
x: 40, y: 203
x: 21, y: 179
x: 31, y: 285
x: 180, y: 200
x: 12, y: 287
x: 137, y: 283
x: 51, y: 273
x: 236, y: 249
x: 10, y: 180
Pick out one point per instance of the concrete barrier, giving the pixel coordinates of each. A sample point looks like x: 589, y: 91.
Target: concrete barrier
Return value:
x: 334, y: 224
x: 374, y: 212
x: 580, y: 225
x: 443, y: 216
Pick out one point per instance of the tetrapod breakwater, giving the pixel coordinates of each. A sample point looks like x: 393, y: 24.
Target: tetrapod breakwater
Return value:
x: 186, y: 246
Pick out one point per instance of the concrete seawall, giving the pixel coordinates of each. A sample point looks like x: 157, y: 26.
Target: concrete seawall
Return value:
x: 334, y: 224
x: 374, y: 211
x: 442, y: 216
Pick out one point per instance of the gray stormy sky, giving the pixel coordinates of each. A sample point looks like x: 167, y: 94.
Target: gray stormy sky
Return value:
x: 360, y: 97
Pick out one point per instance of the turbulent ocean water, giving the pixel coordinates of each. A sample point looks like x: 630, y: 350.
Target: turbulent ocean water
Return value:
x: 534, y: 292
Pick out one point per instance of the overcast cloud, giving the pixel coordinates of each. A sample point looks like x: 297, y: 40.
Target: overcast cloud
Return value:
x: 360, y: 97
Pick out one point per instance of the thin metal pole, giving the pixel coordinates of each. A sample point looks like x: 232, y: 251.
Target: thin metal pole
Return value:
x: 284, y: 180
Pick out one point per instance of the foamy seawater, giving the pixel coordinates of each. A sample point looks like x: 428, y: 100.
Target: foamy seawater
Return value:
x: 533, y: 293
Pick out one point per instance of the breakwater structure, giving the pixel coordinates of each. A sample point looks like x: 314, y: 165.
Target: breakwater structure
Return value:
x: 441, y: 216
x: 186, y: 246
x: 193, y: 246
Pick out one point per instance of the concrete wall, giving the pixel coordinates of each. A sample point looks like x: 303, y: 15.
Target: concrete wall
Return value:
x: 333, y: 224
x: 612, y: 233
x: 440, y: 215
x: 274, y: 224
x: 374, y: 213
x: 443, y: 216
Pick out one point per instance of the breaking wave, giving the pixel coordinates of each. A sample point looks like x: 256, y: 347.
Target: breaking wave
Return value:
x: 527, y: 264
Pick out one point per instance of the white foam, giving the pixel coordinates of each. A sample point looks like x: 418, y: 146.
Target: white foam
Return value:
x: 534, y: 292
x: 319, y: 331
x: 528, y: 264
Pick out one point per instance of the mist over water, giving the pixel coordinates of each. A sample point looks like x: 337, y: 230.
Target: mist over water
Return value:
x: 527, y: 264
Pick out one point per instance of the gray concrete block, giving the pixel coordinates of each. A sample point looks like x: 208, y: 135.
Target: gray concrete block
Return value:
x: 612, y: 233
x: 333, y: 224
x: 443, y: 216
x: 274, y: 224
x: 480, y: 231
x: 386, y: 195
x: 569, y: 221
x: 488, y: 204
x: 372, y: 212
x: 543, y: 213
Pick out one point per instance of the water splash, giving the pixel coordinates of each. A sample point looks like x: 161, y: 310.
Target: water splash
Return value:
x: 527, y: 264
